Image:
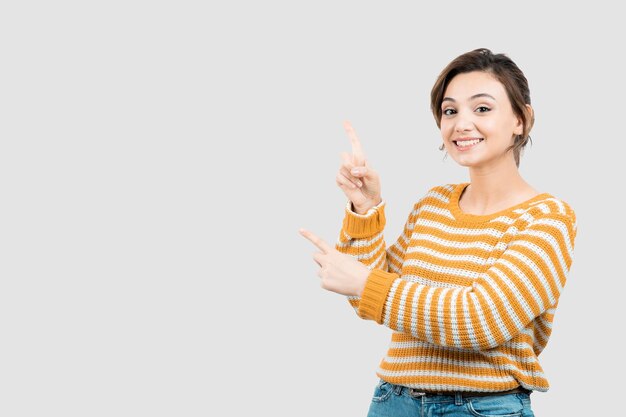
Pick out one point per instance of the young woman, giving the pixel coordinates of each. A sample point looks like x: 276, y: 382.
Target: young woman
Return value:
x: 471, y: 285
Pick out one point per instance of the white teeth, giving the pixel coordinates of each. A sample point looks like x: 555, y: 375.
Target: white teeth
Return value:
x: 464, y: 143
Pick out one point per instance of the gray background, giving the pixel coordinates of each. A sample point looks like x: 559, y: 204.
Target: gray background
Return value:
x: 157, y: 159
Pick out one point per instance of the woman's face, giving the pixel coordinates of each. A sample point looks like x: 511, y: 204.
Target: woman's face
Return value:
x: 477, y: 121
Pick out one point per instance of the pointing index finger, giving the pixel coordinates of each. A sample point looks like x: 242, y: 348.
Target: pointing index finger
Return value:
x: 358, y: 156
x: 323, y: 246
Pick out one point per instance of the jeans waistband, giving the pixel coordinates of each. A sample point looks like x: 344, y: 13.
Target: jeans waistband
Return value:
x: 416, y: 392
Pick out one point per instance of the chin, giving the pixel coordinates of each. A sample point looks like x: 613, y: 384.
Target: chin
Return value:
x: 467, y: 162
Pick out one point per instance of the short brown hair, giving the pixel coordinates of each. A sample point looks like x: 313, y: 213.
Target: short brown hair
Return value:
x: 505, y: 71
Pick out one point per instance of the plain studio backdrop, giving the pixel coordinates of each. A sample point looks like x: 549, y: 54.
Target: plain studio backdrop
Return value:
x: 158, y: 158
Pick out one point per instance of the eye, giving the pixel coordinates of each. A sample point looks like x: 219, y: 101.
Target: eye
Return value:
x: 485, y: 109
x: 448, y: 110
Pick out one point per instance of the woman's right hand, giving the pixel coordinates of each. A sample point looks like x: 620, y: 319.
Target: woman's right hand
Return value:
x: 359, y: 182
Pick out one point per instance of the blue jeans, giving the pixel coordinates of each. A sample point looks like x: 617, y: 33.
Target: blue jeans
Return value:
x: 395, y: 400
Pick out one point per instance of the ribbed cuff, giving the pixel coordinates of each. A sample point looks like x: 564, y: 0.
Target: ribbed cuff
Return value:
x: 364, y: 225
x: 375, y: 294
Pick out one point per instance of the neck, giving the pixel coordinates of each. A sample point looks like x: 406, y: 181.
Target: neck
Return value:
x: 496, y: 187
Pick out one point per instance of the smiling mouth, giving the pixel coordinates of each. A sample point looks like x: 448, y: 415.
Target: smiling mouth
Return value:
x: 467, y: 143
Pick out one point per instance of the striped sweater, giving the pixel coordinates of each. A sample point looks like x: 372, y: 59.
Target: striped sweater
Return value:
x: 470, y: 298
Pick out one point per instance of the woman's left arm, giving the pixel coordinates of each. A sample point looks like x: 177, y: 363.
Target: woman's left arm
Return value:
x: 525, y: 282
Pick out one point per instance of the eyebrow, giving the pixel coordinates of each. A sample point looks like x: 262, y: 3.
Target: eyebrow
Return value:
x: 471, y: 98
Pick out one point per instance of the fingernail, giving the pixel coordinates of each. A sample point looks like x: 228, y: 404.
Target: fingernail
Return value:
x: 355, y: 171
x: 359, y: 183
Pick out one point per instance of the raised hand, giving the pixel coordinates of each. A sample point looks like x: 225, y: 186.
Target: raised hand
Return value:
x: 356, y: 178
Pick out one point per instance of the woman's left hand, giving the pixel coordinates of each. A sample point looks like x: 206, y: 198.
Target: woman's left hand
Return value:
x: 339, y: 272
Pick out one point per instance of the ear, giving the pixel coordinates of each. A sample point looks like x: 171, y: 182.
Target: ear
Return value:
x: 519, y: 126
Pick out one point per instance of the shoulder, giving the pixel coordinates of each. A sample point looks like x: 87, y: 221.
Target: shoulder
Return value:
x: 436, y: 198
x: 551, y: 210
x: 550, y: 205
x: 441, y: 192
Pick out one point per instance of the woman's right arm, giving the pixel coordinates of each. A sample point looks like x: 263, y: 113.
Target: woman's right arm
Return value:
x: 361, y: 235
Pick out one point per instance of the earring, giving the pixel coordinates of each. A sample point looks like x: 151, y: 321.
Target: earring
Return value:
x: 442, y: 147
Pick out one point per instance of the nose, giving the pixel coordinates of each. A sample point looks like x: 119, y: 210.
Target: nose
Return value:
x: 463, y: 123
